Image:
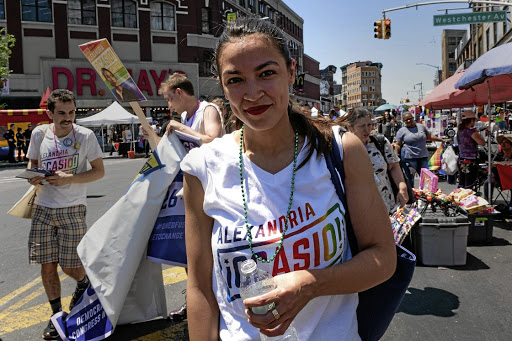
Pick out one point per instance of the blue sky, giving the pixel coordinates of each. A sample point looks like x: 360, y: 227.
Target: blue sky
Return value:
x: 338, y: 32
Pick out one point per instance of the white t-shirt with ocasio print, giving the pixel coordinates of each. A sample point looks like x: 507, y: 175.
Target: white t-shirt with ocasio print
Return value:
x: 316, y: 236
x: 57, y: 154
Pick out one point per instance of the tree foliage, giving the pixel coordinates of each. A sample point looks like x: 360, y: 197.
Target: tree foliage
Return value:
x: 6, y: 43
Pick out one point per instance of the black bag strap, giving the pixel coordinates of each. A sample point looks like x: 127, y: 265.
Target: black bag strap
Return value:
x: 335, y: 166
x: 379, y: 143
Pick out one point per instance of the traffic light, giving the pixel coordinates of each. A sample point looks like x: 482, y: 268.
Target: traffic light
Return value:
x: 378, y: 29
x: 387, y: 28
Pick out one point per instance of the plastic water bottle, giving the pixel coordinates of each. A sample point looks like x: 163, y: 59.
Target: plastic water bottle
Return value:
x: 256, y: 282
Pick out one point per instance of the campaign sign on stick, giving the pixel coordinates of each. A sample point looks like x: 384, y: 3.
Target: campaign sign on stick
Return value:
x: 108, y: 65
x: 87, y: 321
x: 167, y: 242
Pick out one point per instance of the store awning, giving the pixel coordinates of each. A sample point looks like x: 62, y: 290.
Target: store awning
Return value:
x: 22, y: 112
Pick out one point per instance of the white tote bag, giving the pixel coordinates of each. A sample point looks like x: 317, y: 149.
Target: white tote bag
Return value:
x: 23, y: 208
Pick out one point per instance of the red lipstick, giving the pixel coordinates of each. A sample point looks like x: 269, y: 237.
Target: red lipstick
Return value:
x: 257, y: 110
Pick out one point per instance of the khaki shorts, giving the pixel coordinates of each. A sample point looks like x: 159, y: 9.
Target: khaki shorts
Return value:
x: 55, y: 234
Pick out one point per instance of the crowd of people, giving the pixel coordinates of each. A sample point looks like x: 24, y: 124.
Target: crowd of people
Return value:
x: 18, y: 141
x: 276, y: 190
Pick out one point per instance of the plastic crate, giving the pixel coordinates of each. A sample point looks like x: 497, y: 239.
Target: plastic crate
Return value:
x: 441, y: 240
x: 481, y: 228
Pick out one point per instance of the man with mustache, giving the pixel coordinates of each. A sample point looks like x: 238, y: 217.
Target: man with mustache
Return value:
x: 58, y: 221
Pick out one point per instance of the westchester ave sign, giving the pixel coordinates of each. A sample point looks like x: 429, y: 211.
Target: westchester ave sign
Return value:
x: 469, y: 18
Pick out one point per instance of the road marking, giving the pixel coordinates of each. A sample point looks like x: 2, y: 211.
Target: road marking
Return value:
x: 12, y: 319
x: 174, y: 275
x: 29, y: 317
x: 26, y: 299
x: 10, y: 179
x: 19, y: 291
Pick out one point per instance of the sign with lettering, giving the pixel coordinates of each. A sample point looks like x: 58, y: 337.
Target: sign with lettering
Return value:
x: 87, y: 320
x: 106, y: 62
x: 469, y: 18
x: 81, y: 78
x: 167, y: 242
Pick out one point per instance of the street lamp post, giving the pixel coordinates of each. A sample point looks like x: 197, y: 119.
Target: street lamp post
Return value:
x: 421, y: 89
x: 438, y: 78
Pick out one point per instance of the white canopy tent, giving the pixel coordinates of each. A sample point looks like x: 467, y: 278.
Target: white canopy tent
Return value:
x: 113, y: 114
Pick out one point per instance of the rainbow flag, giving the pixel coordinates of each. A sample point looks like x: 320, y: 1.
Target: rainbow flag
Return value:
x: 435, y: 161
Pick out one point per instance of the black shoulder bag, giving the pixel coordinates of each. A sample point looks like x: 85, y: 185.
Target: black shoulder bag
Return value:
x: 379, y: 143
x: 377, y: 305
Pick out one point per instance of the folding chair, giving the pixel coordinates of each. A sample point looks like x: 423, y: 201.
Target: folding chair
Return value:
x: 504, y: 190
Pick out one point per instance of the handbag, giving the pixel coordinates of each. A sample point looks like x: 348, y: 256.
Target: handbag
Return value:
x: 23, y: 208
x: 379, y: 143
x: 378, y: 305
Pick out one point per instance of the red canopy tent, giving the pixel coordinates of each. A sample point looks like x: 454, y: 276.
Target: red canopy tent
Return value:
x: 446, y: 96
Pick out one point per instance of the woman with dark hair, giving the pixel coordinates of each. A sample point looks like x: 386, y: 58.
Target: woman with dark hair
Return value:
x: 387, y: 126
x: 274, y: 201
x: 121, y: 93
x: 384, y: 164
x: 468, y: 139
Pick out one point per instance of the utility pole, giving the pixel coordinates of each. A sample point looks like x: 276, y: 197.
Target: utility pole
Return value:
x: 438, y: 76
x: 421, y: 89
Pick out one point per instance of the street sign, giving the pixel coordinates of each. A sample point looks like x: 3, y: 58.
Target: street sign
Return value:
x: 469, y: 18
x: 231, y: 16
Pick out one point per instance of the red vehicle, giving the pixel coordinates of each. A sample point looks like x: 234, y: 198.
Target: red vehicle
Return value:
x: 21, y: 118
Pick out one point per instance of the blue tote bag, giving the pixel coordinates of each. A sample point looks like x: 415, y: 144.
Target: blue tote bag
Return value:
x: 377, y: 305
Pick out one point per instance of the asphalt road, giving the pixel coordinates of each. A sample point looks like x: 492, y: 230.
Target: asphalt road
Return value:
x: 470, y: 302
x: 24, y: 309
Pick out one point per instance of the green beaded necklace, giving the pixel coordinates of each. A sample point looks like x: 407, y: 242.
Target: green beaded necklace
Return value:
x: 249, y: 235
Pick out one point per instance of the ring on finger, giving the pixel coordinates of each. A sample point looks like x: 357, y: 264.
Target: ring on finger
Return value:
x: 275, y: 313
x: 271, y: 306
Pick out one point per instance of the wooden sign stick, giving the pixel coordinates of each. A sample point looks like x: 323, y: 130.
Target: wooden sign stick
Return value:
x: 143, y: 120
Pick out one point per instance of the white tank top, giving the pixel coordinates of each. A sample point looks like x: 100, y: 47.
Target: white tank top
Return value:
x: 316, y: 236
x: 196, y: 122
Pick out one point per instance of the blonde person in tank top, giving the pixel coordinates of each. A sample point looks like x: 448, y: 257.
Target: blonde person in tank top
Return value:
x: 198, y: 118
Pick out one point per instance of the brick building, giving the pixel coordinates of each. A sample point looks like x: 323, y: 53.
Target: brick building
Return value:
x: 153, y: 38
x: 361, y: 85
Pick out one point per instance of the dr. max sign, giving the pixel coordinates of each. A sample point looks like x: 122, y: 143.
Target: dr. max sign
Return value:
x: 469, y: 18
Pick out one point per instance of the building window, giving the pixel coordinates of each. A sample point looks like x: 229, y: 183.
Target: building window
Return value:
x: 241, y: 3
x: 2, y: 9
x: 251, y: 6
x: 124, y: 13
x: 205, y: 20
x: 271, y: 14
x: 82, y: 12
x: 205, y: 64
x: 162, y: 16
x: 36, y: 10
x: 262, y: 8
